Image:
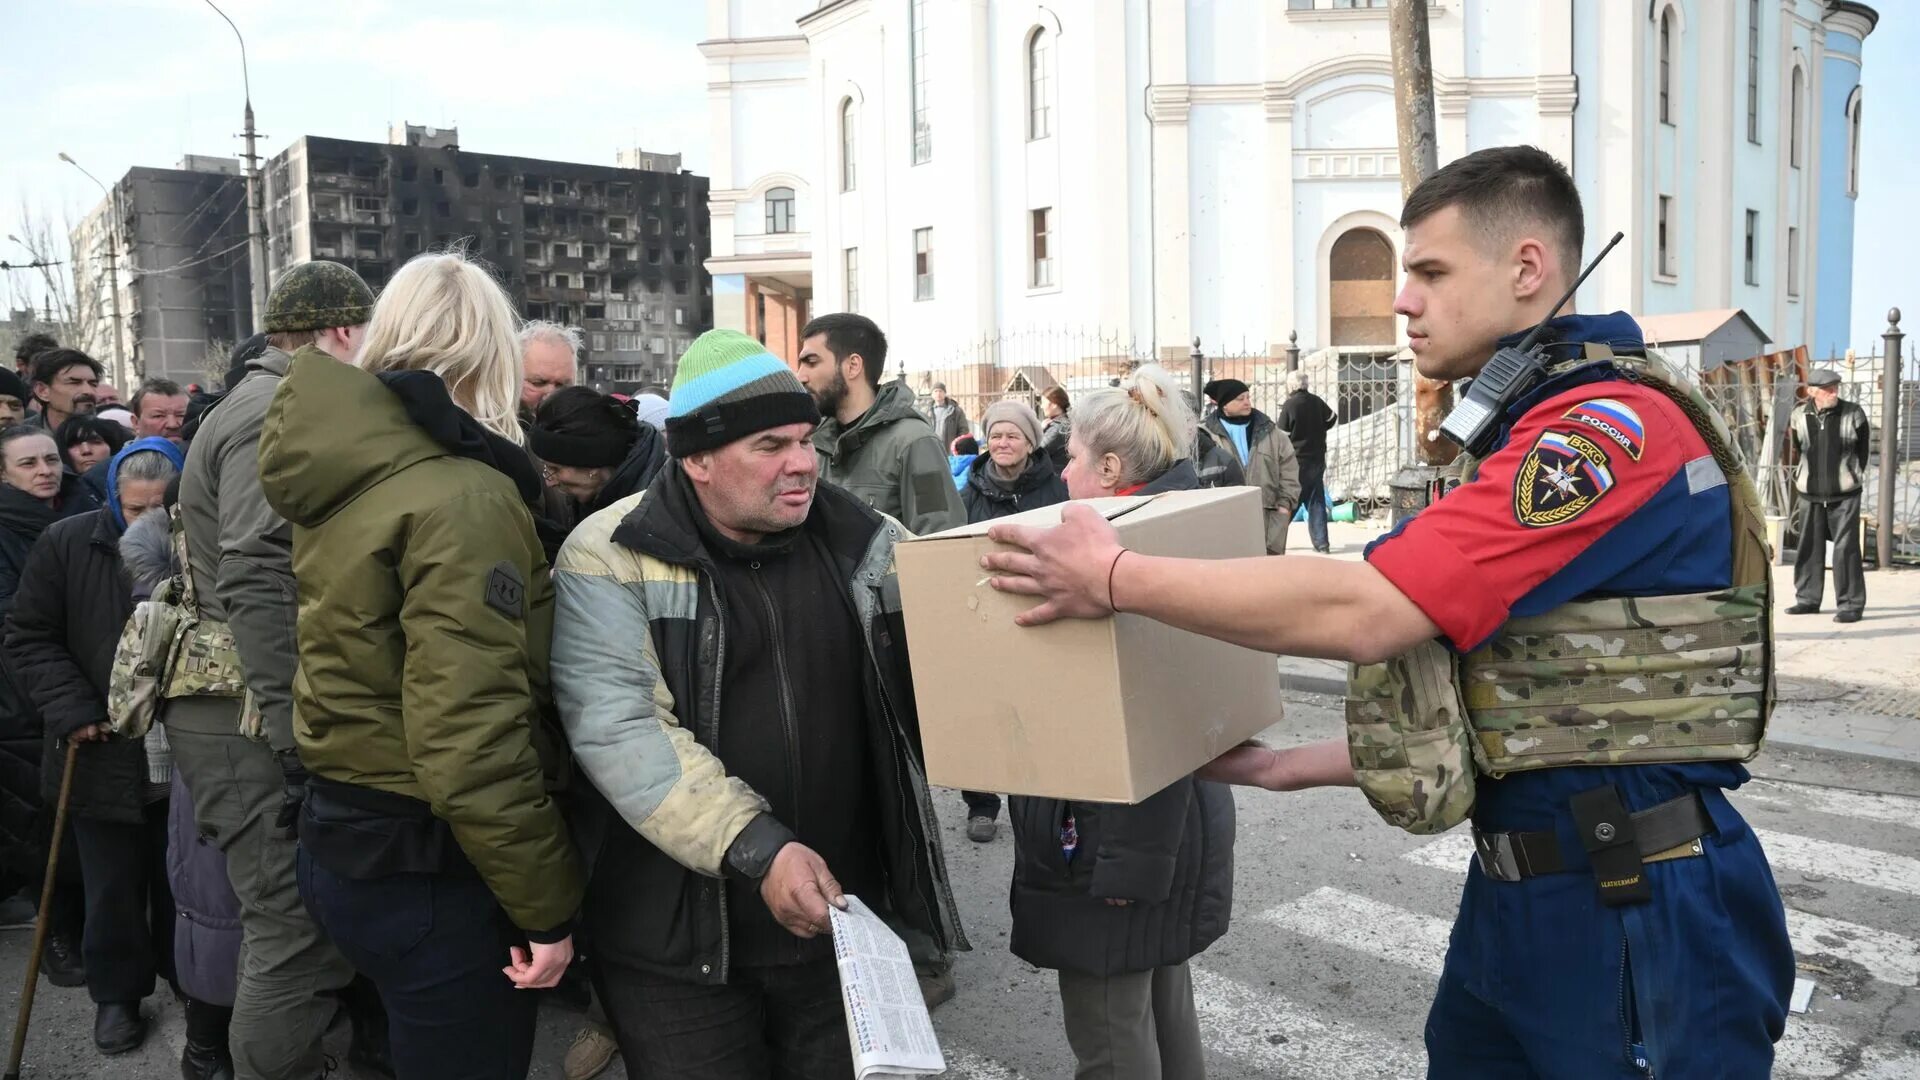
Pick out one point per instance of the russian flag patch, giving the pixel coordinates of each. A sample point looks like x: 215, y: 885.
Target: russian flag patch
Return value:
x: 1615, y: 421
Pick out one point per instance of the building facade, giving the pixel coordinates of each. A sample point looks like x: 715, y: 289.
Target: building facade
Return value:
x: 1227, y: 169
x: 619, y: 252
x: 764, y: 152
x: 180, y: 242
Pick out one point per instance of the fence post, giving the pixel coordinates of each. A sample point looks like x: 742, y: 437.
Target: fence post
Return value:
x: 1889, y: 436
x: 1197, y: 358
x: 1293, y: 352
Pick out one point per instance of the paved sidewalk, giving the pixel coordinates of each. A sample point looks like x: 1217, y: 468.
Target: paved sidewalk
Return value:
x: 1853, y: 689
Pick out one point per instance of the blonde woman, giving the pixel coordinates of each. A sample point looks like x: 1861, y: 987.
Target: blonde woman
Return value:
x: 1118, y: 898
x: 430, y: 849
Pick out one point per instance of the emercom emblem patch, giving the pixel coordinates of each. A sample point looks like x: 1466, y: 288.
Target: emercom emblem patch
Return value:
x: 1561, y: 477
x: 507, y: 590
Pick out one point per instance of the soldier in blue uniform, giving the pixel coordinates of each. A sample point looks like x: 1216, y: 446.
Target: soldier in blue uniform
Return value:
x: 1573, y: 646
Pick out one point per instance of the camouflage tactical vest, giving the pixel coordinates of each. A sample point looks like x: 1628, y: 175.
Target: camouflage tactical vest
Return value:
x: 1627, y: 680
x: 170, y: 650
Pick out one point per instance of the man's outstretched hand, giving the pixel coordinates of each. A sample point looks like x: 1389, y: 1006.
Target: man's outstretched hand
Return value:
x: 1069, y: 566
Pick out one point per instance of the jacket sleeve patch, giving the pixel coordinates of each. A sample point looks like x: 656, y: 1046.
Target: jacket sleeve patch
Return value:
x: 1612, y: 420
x: 507, y: 590
x: 1561, y: 477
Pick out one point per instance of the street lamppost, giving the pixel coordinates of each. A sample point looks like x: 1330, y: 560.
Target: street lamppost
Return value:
x: 256, y: 213
x: 113, y: 267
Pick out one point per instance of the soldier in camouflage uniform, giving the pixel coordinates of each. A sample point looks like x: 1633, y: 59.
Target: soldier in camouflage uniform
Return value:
x: 1577, y: 654
x: 241, y: 764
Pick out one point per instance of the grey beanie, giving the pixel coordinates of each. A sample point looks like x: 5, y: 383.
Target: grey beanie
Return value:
x: 1017, y: 413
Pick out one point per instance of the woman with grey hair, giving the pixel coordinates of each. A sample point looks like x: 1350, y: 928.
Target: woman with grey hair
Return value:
x: 73, y: 601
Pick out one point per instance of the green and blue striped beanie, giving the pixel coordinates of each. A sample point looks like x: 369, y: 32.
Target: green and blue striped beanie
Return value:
x: 728, y: 387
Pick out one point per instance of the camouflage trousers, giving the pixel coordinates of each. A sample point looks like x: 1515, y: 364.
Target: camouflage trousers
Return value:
x: 288, y: 969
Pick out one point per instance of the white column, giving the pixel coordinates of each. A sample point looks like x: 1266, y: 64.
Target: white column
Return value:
x: 1167, y: 103
x: 1283, y: 319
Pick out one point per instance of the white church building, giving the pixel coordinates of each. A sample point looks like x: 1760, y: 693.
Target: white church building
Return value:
x: 1226, y: 169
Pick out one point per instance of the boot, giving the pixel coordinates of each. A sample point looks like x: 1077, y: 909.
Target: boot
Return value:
x: 206, y: 1056
x: 370, y: 1048
x: 60, y: 962
x: 118, y: 1027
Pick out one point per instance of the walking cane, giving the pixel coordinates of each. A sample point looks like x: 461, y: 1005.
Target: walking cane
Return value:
x: 40, y: 922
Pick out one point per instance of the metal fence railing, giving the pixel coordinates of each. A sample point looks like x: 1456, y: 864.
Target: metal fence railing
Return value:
x: 1372, y: 393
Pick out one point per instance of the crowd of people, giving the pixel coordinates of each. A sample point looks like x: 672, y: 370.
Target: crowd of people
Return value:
x: 477, y: 689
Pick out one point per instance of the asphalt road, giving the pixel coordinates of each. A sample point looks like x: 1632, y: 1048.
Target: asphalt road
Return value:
x: 1339, y: 923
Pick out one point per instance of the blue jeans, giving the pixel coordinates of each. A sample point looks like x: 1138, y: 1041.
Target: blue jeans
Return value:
x: 434, y: 945
x: 1313, y: 496
x: 1543, y: 981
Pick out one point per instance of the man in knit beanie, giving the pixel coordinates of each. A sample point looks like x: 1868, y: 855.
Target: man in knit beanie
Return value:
x: 732, y: 674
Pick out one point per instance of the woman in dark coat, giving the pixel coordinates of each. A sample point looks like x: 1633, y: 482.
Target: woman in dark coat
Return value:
x: 1015, y: 473
x: 206, y: 934
x: 1012, y: 475
x: 1118, y: 898
x: 594, y: 449
x: 73, y: 601
x: 35, y: 492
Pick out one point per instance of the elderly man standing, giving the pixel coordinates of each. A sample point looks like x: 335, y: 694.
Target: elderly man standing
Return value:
x: 730, y: 664
x: 1264, y: 451
x: 1832, y: 437
x: 1305, y: 416
x: 551, y: 361
x: 237, y: 754
x: 159, y: 410
x: 949, y: 419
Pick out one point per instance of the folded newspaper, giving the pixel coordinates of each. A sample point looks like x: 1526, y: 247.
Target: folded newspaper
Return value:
x: 887, y: 1018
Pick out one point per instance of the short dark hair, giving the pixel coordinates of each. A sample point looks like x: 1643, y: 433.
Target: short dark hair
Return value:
x: 33, y: 345
x: 48, y: 365
x: 847, y: 334
x: 87, y: 426
x: 1501, y: 186
x: 161, y: 387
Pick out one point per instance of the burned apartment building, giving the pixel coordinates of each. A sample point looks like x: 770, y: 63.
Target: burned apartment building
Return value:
x: 618, y: 252
x: 179, y: 239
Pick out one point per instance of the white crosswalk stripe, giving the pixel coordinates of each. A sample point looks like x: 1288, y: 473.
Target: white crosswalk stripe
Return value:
x: 1842, y: 862
x: 1419, y: 942
x: 1857, y: 805
x: 1889, y: 957
x: 1243, y: 1023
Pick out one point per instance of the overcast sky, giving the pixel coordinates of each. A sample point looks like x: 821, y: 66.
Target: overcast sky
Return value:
x: 118, y: 83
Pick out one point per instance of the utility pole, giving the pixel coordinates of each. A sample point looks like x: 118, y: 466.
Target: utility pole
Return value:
x: 1891, y: 342
x: 113, y: 267
x: 1419, y: 158
x: 256, y: 195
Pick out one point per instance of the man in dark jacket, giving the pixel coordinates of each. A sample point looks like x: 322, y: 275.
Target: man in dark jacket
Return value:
x: 1832, y: 438
x: 729, y: 662
x: 74, y: 598
x: 871, y: 441
x: 1264, y: 451
x: 241, y: 555
x: 1305, y: 417
x: 949, y: 420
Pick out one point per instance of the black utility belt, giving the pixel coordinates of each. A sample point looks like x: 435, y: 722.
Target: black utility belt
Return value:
x: 1617, y: 843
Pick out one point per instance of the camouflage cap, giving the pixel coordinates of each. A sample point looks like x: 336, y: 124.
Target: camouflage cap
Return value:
x: 318, y: 295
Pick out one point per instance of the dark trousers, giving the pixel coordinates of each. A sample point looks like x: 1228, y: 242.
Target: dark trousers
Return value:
x: 434, y: 946
x: 128, y: 939
x: 783, y: 1023
x: 1313, y: 496
x: 1838, y: 521
x: 982, y: 804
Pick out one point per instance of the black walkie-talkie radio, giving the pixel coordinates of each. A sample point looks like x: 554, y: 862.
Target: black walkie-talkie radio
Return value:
x: 1475, y: 422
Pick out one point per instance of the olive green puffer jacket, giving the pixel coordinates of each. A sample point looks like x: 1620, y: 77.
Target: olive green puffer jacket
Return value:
x: 425, y: 613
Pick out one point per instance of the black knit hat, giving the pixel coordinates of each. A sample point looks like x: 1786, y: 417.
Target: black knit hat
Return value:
x: 581, y: 428
x: 1221, y: 391
x: 14, y: 386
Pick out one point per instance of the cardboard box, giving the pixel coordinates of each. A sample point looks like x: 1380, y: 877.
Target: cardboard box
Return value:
x: 1104, y: 711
